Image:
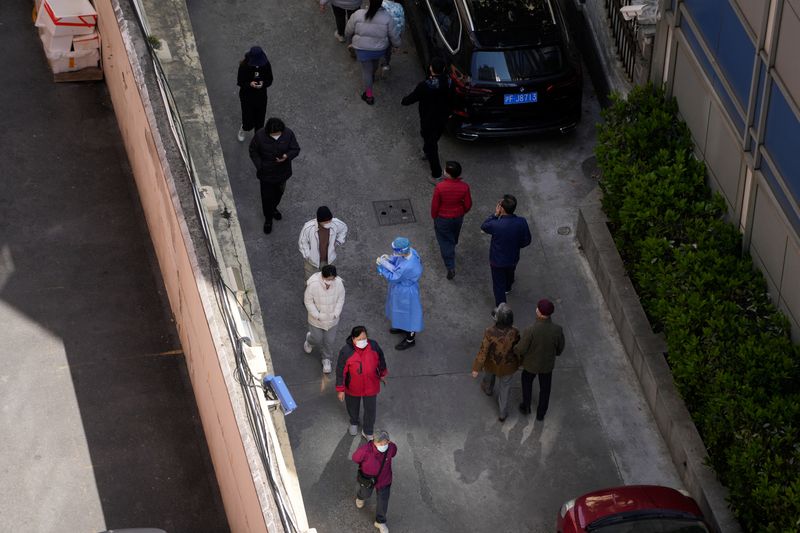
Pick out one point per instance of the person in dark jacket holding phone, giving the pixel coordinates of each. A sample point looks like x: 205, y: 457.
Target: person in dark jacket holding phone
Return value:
x: 435, y: 105
x: 360, y: 370
x: 255, y: 75
x: 272, y: 150
x: 375, y: 464
x: 510, y: 233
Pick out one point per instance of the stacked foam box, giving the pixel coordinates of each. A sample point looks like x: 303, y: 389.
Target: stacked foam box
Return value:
x: 68, y: 30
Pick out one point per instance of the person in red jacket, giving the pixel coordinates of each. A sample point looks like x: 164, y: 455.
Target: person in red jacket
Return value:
x: 375, y: 460
x: 451, y: 201
x: 359, y: 373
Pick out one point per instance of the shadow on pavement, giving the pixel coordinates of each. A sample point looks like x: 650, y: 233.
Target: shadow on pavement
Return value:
x: 104, y: 429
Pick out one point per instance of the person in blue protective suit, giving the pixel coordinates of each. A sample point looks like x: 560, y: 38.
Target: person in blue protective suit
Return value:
x: 403, y: 307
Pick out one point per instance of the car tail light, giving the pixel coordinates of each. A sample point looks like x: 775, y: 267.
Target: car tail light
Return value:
x: 567, y: 83
x: 463, y: 84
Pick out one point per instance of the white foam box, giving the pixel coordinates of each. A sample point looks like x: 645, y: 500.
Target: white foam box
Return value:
x: 67, y: 17
x: 86, y: 42
x: 55, y: 43
x: 72, y: 61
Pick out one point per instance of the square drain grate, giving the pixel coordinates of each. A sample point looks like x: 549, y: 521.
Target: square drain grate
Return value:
x: 391, y: 212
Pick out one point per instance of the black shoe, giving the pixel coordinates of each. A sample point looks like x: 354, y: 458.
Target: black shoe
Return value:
x: 451, y: 274
x: 370, y: 100
x: 524, y: 410
x: 395, y: 331
x: 277, y: 215
x: 502, y: 418
x: 267, y: 227
x: 405, y: 344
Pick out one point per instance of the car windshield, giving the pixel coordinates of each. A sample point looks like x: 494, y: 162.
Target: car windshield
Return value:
x: 652, y: 525
x: 516, y: 65
x: 501, y: 15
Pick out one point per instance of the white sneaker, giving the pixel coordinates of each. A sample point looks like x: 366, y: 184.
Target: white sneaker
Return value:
x: 359, y: 503
x: 240, y: 135
x: 326, y: 366
x: 386, y: 69
x: 383, y: 528
x: 339, y: 37
x: 353, y: 430
x: 306, y: 345
x: 368, y: 437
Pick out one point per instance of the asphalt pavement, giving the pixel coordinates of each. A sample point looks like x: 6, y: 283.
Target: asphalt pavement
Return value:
x: 98, y: 423
x: 458, y: 468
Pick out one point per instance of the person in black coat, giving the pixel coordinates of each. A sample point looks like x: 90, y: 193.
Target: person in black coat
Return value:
x: 272, y: 150
x: 435, y: 103
x: 255, y: 75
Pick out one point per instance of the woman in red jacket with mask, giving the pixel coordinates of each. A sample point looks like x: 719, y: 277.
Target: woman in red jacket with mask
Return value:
x: 375, y: 462
x: 359, y: 373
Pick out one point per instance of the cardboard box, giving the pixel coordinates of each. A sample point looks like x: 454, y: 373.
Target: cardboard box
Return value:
x: 72, y: 61
x: 86, y: 42
x: 67, y: 17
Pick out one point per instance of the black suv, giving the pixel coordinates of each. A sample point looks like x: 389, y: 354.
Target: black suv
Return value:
x: 514, y: 65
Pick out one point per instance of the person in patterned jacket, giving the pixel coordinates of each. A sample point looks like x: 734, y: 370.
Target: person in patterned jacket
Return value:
x: 497, y: 359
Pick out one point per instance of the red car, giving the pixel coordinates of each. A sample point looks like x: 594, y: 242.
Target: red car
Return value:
x: 632, y: 509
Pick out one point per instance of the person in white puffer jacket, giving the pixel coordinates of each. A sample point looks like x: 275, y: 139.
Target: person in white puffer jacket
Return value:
x: 371, y: 31
x: 324, y: 299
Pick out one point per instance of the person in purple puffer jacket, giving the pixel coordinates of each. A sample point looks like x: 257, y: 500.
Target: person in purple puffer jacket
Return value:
x: 375, y: 460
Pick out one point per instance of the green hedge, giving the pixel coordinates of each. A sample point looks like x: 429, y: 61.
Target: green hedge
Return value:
x: 729, y: 348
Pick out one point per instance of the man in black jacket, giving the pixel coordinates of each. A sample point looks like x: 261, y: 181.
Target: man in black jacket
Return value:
x: 435, y: 101
x: 272, y: 150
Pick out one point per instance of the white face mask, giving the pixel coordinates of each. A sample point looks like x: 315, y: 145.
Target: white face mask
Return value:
x: 326, y: 225
x: 382, y: 447
x: 362, y: 343
x: 275, y: 136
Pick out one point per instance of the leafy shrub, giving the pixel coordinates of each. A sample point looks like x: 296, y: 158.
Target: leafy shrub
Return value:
x: 730, y: 351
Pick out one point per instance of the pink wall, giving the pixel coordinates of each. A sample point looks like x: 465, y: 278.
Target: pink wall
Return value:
x: 191, y: 298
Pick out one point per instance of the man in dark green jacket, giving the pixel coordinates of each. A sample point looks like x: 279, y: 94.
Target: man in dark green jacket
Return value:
x: 538, y: 347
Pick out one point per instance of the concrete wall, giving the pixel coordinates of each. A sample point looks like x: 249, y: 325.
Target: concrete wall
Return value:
x: 645, y: 350
x: 186, y: 272
x: 758, y: 175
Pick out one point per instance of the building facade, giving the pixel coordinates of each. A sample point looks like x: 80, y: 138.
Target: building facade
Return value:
x: 734, y: 68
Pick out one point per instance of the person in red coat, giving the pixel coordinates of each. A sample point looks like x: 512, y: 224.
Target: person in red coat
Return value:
x: 375, y: 460
x: 360, y: 370
x: 451, y: 201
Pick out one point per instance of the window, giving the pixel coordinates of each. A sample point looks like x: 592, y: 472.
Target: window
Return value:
x: 728, y: 41
x: 733, y: 112
x: 446, y: 22
x: 782, y: 139
x: 515, y: 65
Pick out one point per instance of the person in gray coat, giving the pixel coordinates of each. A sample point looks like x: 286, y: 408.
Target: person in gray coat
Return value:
x: 371, y: 31
x: 342, y: 9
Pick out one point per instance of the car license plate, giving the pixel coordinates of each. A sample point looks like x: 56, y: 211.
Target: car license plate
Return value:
x: 521, y: 98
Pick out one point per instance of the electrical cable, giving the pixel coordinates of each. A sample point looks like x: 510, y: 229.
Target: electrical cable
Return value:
x: 251, y: 386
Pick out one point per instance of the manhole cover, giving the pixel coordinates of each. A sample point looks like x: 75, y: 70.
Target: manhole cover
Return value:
x: 391, y: 212
x: 564, y: 230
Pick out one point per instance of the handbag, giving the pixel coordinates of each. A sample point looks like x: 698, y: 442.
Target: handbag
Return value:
x: 369, y: 481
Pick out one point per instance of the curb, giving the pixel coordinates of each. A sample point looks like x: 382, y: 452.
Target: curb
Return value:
x: 645, y: 352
